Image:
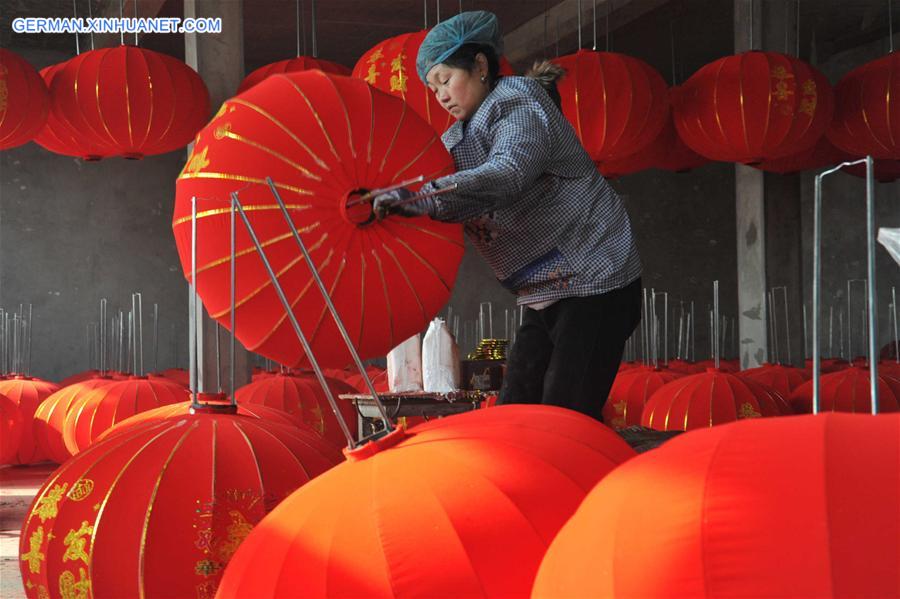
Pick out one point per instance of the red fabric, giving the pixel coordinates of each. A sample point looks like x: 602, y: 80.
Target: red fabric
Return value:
x: 752, y: 107
x: 867, y: 109
x: 617, y: 104
x: 804, y: 506
x: 783, y: 379
x: 128, y: 101
x: 11, y: 425
x: 822, y: 154
x: 886, y: 171
x: 167, y: 504
x: 459, y: 507
x: 50, y: 417
x: 391, y: 67
x: 291, y: 65
x: 58, y: 137
x: 305, y: 402
x: 630, y: 391
x: 387, y: 279
x: 27, y: 393
x: 706, y: 399
x: 100, y: 408
x: 827, y: 365
x: 24, y: 102
x: 848, y: 390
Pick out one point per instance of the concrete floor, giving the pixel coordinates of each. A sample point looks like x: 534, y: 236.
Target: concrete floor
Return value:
x: 18, y: 486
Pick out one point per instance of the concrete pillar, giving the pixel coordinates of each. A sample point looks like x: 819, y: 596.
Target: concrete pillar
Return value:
x: 219, y: 59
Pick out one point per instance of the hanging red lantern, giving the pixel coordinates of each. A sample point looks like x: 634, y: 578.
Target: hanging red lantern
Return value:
x: 291, y: 65
x: 867, y: 109
x: 782, y: 507
x: 617, y: 104
x: 464, y: 505
x: 128, y: 101
x: 387, y: 278
x: 11, y: 426
x: 707, y: 399
x: 783, y: 379
x: 391, y: 67
x: 306, y: 403
x: 630, y: 391
x: 58, y: 137
x: 886, y: 171
x: 99, y: 409
x: 50, y: 417
x: 848, y: 390
x: 752, y: 107
x: 24, y: 102
x: 27, y: 393
x: 178, y: 496
x: 822, y: 154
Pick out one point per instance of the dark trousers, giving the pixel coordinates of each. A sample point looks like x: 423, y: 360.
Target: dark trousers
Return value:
x: 568, y: 354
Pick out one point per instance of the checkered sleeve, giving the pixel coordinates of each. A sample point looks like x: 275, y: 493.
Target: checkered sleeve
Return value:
x: 520, y: 150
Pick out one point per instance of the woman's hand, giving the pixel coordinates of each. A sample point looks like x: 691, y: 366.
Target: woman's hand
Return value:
x: 396, y: 202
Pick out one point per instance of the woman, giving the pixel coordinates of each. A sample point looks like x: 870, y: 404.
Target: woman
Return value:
x: 552, y: 229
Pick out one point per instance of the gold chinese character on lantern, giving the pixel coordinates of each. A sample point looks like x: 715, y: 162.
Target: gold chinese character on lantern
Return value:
x: 748, y: 411
x: 809, y: 100
x: 196, y: 163
x: 69, y: 588
x: 75, y: 543
x: 81, y: 489
x: 47, y: 505
x: 34, y: 556
x: 372, y: 74
x: 399, y: 78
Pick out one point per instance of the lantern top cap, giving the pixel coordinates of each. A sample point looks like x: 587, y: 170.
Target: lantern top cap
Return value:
x: 471, y: 27
x: 373, y: 447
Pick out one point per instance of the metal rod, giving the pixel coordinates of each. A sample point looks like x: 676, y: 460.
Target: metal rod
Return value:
x: 75, y: 15
x: 608, y: 12
x: 30, y: 328
x: 426, y: 194
x: 312, y: 29
x: 666, y: 328
x: 437, y: 12
x: 297, y: 3
x: 193, y: 324
x: 692, y: 323
x: 890, y: 26
x: 303, y: 23
x: 716, y: 315
x: 896, y: 337
x: 351, y: 442
x: 787, y: 326
x: 579, y: 24
x: 155, y: 337
x: 218, y: 362
x: 594, y: 7
x: 121, y: 18
x: 90, y: 16
x: 870, y: 260
x: 425, y: 14
x: 233, y: 280
x: 135, y: 20
x: 831, y: 332
x: 775, y: 327
x: 132, y: 333
x: 376, y: 192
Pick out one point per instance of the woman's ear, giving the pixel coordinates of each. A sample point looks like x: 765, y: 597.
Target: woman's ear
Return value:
x: 481, y: 63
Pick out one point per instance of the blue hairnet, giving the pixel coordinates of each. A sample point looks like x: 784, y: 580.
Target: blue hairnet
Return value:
x: 473, y: 27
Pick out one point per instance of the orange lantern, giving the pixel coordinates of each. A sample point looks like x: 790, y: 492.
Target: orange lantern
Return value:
x: 462, y: 506
x: 324, y: 140
x: 160, y: 509
x: 804, y: 506
x: 27, y: 393
x: 11, y: 425
x: 617, y: 104
x: 129, y: 101
x: 102, y: 407
x: 291, y: 65
x: 752, y: 107
x: 706, y: 399
x: 848, y: 390
x: 630, y: 391
x: 23, y: 100
x: 867, y: 109
x: 50, y: 417
x: 783, y: 379
x: 305, y: 402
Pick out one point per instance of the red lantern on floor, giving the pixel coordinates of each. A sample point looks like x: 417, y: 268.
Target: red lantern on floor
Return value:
x: 27, y: 393
x: 464, y: 505
x: 630, y: 391
x: 291, y: 65
x: 101, y: 408
x: 324, y: 140
x: 11, y: 425
x: 23, y: 100
x: 50, y: 417
x: 867, y: 109
x: 160, y: 509
x: 304, y: 401
x: 129, y: 101
x: 804, y: 506
x: 752, y: 107
x: 783, y: 379
x: 617, y: 104
x: 848, y: 390
x: 706, y: 399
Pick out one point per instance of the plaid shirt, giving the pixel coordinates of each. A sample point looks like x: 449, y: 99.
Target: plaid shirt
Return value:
x: 533, y: 203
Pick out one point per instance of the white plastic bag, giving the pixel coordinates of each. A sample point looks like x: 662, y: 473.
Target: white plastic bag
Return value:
x: 890, y: 239
x: 440, y: 359
x: 404, y: 366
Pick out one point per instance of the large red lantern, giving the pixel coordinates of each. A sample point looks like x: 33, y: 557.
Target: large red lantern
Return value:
x: 23, y: 100
x: 27, y: 393
x: 57, y: 136
x: 630, y: 391
x: 128, y: 101
x: 617, y: 104
x: 159, y: 510
x: 867, y: 109
x: 50, y: 417
x: 804, y: 506
x: 848, y: 390
x: 303, y: 399
x: 11, y: 425
x: 99, y: 409
x: 462, y: 506
x: 323, y: 139
x: 707, y: 399
x: 291, y: 65
x: 752, y: 107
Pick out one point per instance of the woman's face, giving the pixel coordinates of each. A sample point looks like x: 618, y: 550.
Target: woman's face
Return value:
x: 459, y: 91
